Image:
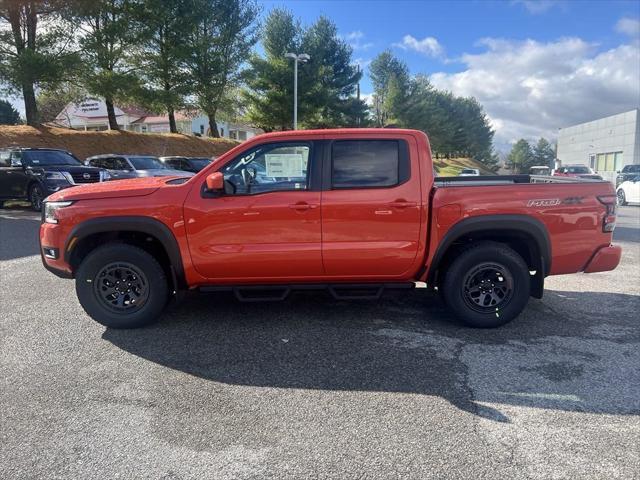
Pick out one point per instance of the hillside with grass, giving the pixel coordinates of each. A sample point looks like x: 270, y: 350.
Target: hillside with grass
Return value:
x: 85, y: 144
x: 451, y: 167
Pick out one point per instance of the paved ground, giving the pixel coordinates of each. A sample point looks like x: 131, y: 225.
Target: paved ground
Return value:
x: 318, y: 388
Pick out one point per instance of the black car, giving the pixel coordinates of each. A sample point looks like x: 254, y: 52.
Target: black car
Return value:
x: 629, y: 172
x: 187, y: 164
x: 32, y: 174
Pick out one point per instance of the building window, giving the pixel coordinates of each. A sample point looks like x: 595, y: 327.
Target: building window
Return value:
x: 609, y: 162
x: 592, y: 161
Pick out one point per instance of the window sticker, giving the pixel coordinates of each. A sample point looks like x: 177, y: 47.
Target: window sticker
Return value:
x: 285, y: 165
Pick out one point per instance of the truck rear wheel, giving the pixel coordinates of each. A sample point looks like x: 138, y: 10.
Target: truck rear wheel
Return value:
x: 121, y: 286
x: 487, y: 285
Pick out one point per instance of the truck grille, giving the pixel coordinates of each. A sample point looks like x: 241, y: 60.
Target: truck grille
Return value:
x: 86, y: 177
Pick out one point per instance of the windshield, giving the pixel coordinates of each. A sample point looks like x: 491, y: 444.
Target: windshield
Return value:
x: 199, y: 163
x: 146, y: 163
x: 39, y: 158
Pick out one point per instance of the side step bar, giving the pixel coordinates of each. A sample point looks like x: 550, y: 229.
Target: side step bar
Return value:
x: 339, y: 291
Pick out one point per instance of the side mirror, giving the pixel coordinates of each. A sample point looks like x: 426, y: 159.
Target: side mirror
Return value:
x: 215, y: 181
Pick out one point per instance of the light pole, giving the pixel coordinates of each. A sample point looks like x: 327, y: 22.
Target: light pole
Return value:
x: 302, y: 58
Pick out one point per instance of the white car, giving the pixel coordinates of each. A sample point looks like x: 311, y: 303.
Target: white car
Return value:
x: 469, y: 172
x: 629, y: 191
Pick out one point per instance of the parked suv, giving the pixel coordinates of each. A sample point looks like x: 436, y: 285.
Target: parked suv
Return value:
x: 629, y: 172
x: 188, y: 164
x: 34, y: 173
x: 134, y: 166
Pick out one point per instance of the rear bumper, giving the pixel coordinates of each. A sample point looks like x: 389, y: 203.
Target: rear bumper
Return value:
x: 605, y: 259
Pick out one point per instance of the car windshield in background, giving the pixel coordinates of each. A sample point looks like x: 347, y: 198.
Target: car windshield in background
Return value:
x: 40, y: 158
x: 146, y: 163
x: 578, y: 170
x: 200, y: 163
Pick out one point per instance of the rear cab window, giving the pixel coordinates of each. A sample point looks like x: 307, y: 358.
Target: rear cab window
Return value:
x: 369, y: 163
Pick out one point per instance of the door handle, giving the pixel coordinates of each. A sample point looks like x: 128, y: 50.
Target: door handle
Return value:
x: 302, y: 206
x: 402, y: 204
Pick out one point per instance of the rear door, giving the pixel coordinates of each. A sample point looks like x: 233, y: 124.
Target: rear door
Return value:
x: 371, y: 207
x: 14, y: 181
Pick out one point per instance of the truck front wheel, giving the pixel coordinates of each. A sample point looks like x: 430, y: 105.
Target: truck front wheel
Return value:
x: 121, y: 286
x: 487, y: 285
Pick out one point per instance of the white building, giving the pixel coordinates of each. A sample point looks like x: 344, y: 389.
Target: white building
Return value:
x: 606, y: 145
x: 91, y: 114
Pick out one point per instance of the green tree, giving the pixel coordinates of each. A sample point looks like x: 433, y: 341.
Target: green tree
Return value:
x: 269, y: 96
x: 390, y: 78
x: 220, y: 44
x: 163, y: 55
x: 8, y: 114
x: 37, y: 48
x: 520, y: 156
x: 110, y: 31
x: 544, y: 153
x: 329, y: 81
x: 327, y: 84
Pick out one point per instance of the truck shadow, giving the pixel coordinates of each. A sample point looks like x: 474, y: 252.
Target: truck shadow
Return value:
x: 23, y: 224
x: 560, y: 354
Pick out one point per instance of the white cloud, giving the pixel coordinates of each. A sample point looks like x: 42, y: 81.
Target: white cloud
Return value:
x: 530, y: 89
x: 367, y: 98
x: 428, y: 46
x: 356, y: 40
x: 629, y: 26
x: 537, y: 7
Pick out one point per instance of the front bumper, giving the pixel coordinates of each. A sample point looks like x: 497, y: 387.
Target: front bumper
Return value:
x: 51, y: 237
x: 605, y: 259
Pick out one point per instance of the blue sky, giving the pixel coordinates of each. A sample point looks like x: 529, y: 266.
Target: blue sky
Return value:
x: 535, y: 65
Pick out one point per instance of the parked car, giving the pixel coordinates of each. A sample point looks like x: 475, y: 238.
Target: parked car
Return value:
x: 187, y: 164
x: 627, y: 173
x: 576, y: 171
x: 469, y: 172
x: 629, y: 191
x: 32, y: 174
x: 353, y: 212
x: 539, y: 170
x: 134, y: 166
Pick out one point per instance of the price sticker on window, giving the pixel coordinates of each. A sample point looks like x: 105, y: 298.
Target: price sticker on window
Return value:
x: 285, y: 165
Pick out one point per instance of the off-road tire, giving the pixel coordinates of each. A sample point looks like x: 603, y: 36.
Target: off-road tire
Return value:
x: 94, y: 282
x: 493, y: 257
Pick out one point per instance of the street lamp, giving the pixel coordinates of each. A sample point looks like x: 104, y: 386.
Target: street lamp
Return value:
x: 302, y: 58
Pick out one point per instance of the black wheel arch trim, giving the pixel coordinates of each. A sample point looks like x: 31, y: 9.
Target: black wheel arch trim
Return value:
x: 495, y: 223
x: 147, y: 225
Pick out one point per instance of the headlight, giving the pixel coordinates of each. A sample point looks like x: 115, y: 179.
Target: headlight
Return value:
x: 54, y: 176
x: 50, y: 209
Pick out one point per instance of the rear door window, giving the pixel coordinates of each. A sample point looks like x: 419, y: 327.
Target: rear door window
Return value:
x: 366, y: 163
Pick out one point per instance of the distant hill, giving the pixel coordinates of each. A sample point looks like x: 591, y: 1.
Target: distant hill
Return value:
x: 85, y: 144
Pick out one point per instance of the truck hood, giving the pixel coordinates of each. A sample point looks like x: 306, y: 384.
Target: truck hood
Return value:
x: 134, y: 187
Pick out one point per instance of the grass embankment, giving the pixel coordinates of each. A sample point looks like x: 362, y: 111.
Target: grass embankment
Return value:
x: 451, y: 167
x: 85, y: 144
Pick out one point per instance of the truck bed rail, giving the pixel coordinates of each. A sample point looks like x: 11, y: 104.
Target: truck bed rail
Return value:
x: 486, y: 180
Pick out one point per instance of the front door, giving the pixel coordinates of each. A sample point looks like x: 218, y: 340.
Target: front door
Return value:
x: 266, y: 226
x: 372, y: 209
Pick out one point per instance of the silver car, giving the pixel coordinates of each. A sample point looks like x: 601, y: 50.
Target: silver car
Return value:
x: 134, y: 166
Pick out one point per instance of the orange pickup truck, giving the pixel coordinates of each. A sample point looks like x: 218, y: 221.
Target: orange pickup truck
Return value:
x: 351, y: 211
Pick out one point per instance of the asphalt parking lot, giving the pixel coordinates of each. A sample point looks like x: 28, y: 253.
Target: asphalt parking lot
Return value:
x: 318, y: 388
